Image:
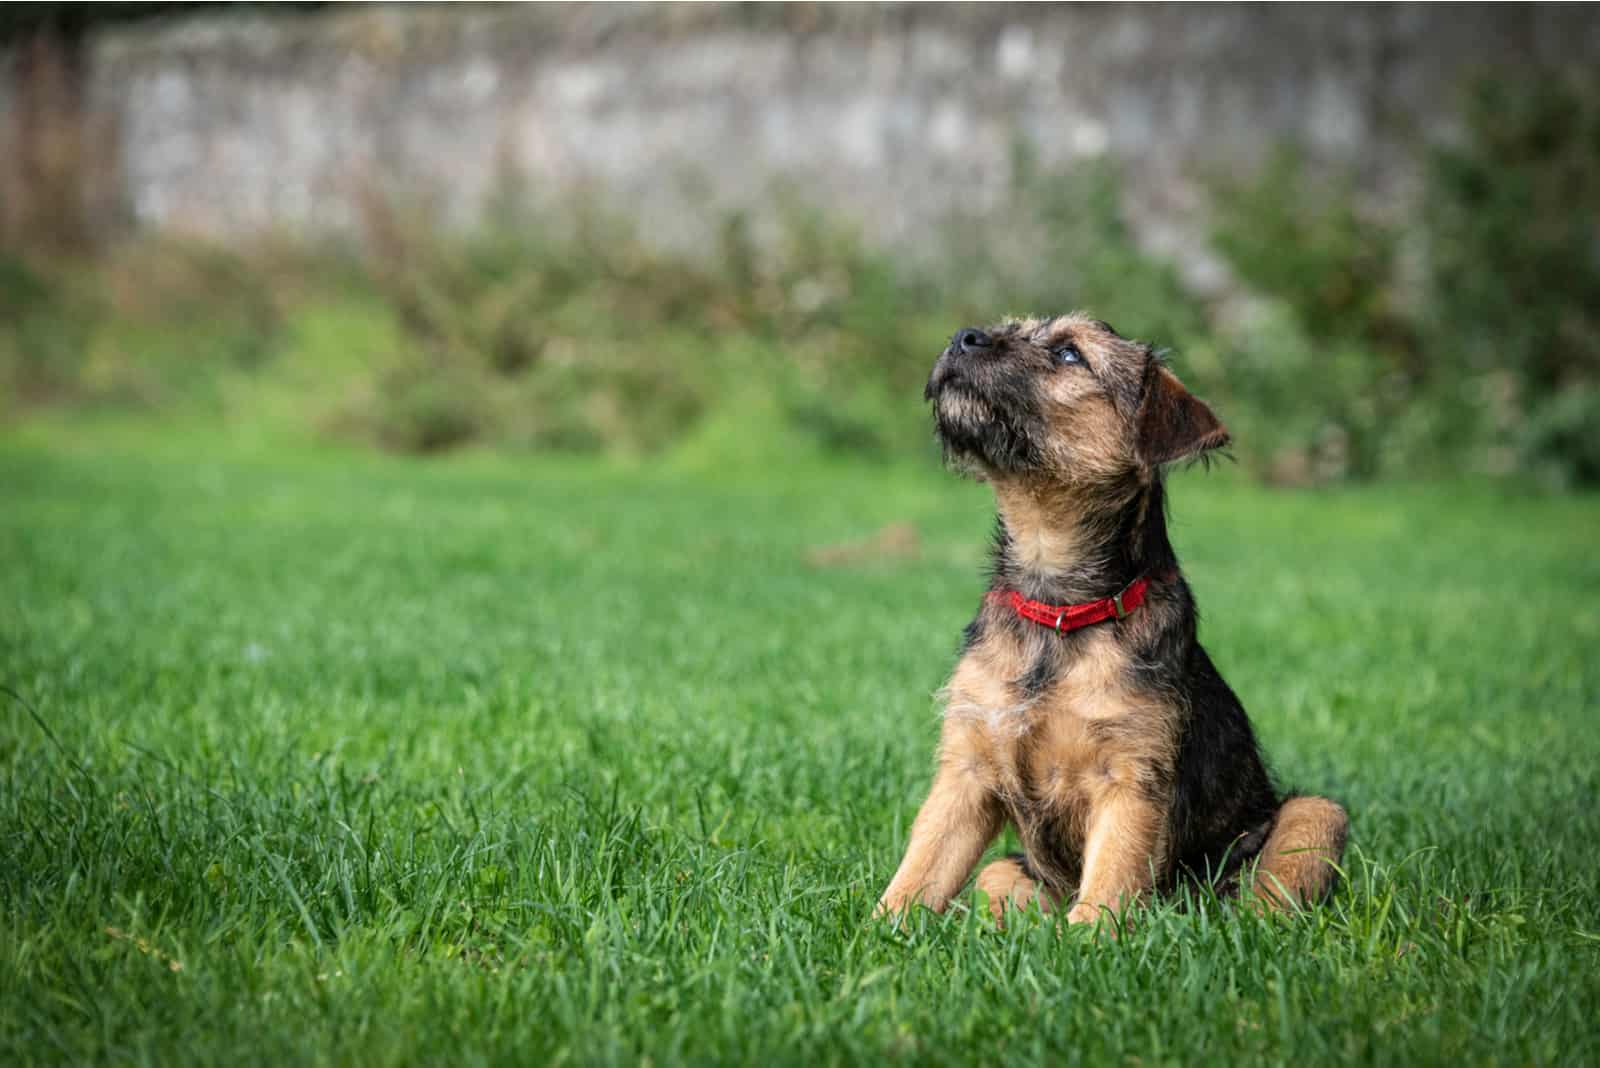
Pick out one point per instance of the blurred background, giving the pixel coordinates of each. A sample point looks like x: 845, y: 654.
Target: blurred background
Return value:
x: 727, y: 233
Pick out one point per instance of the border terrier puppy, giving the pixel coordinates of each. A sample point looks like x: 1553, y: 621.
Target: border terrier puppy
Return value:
x: 1083, y: 709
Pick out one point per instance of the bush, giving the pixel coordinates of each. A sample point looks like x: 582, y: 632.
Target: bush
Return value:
x: 1330, y: 357
x: 1467, y: 335
x: 46, y: 321
x: 565, y: 330
x: 1512, y: 224
x: 579, y: 335
x: 1463, y: 335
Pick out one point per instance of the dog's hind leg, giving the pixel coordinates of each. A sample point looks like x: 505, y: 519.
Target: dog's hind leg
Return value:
x: 1297, y: 864
x: 1009, y: 884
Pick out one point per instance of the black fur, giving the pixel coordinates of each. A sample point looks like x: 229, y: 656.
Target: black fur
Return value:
x: 1225, y: 800
x: 1041, y: 676
x: 971, y: 633
x: 1007, y: 439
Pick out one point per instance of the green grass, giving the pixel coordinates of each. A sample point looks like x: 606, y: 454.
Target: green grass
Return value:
x: 356, y: 760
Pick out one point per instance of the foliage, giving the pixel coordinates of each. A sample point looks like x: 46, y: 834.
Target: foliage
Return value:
x: 1303, y: 241
x: 1460, y: 335
x: 1512, y: 218
x: 564, y: 330
x: 1467, y: 333
x: 578, y: 334
x: 357, y: 760
x: 45, y: 324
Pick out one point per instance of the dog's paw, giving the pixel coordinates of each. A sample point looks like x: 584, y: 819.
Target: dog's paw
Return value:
x: 890, y: 908
x: 1084, y: 912
x: 1098, y: 918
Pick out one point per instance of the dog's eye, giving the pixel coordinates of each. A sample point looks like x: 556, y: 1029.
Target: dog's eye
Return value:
x: 1068, y: 354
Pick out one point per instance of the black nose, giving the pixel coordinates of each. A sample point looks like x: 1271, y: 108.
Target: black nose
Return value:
x: 972, y: 340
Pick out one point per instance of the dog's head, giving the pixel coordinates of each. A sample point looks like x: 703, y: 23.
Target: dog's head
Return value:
x: 1068, y: 399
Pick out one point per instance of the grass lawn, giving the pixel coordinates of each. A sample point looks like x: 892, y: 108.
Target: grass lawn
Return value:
x: 358, y: 760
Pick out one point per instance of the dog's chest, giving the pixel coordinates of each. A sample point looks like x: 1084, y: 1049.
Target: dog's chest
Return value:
x: 1056, y: 770
x: 1052, y: 750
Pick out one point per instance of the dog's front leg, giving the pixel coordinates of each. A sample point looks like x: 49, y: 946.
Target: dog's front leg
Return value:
x: 1121, y: 852
x: 955, y: 824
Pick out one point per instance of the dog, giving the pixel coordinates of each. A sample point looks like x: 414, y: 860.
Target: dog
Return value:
x: 1083, y: 709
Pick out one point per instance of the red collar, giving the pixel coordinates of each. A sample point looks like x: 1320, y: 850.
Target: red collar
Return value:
x: 1064, y: 617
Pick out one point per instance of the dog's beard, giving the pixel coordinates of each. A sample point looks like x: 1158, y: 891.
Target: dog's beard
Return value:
x: 960, y: 418
x: 961, y: 412
x: 977, y: 437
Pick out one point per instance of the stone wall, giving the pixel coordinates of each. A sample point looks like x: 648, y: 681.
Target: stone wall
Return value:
x: 893, y: 115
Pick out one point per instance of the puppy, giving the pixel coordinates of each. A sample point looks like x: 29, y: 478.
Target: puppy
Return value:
x: 1083, y: 710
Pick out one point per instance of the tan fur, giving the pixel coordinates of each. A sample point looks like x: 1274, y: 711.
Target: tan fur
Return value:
x: 982, y: 690
x: 959, y: 406
x: 1044, y: 524
x: 1077, y: 770
x: 1092, y: 451
x: 1296, y: 866
x: 1009, y: 887
x: 1089, y: 444
x: 955, y: 824
x: 1121, y: 856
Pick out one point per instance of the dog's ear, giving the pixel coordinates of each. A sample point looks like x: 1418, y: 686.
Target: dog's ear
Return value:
x: 1173, y: 423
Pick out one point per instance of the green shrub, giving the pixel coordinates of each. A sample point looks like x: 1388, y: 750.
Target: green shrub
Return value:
x: 579, y: 335
x: 1561, y: 441
x: 47, y: 314
x: 1512, y: 223
x: 1465, y: 334
x: 1459, y: 335
x: 1331, y: 358
x: 1298, y: 236
x: 1059, y: 242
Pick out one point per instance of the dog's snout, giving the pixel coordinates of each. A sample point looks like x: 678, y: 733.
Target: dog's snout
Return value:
x: 972, y: 340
